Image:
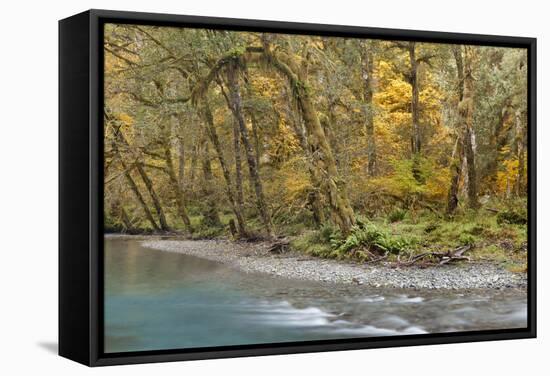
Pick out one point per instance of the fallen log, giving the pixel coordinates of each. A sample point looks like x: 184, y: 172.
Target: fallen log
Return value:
x: 378, y: 259
x: 279, y: 246
x: 456, y: 254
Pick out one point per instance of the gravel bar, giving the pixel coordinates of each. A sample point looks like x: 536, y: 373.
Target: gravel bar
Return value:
x: 255, y: 258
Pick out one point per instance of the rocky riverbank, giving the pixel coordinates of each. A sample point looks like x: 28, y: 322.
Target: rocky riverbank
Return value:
x: 256, y: 258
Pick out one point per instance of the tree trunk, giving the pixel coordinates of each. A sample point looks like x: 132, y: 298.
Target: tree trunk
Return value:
x: 211, y: 215
x: 466, y: 109
x: 323, y: 158
x: 238, y: 166
x: 134, y: 188
x: 458, y: 154
x: 472, y: 173
x: 497, y: 142
x: 415, y: 113
x: 329, y: 127
x: 520, y: 140
x: 212, y: 134
x: 181, y: 164
x: 465, y: 145
x: 456, y: 171
x: 236, y: 109
x: 324, y: 161
x: 125, y: 219
x: 192, y: 173
x: 314, y: 199
x: 171, y: 171
x: 367, y: 70
x: 156, y: 201
x: 256, y: 137
x: 147, y: 181
x: 117, y: 210
x: 253, y: 120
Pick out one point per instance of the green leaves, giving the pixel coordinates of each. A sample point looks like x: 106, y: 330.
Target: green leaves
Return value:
x: 367, y: 236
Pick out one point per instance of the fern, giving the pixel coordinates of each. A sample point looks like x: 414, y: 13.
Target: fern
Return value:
x: 368, y: 236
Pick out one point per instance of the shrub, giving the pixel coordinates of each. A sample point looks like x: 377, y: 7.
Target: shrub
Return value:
x: 394, y: 244
x: 371, y: 238
x: 328, y: 233
x: 396, y: 215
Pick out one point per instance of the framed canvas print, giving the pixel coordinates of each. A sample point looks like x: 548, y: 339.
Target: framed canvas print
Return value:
x: 235, y: 187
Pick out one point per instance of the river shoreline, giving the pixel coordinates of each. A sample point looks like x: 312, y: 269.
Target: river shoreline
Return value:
x: 256, y: 258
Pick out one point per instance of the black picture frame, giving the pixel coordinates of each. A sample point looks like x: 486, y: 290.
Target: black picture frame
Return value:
x: 81, y: 188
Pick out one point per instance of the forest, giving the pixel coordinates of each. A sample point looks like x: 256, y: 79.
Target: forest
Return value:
x: 362, y: 149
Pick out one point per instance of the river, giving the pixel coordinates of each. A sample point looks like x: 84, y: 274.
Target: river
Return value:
x: 157, y: 300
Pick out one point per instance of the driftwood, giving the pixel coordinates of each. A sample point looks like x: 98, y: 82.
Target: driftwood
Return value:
x: 378, y: 259
x: 279, y: 246
x: 456, y: 254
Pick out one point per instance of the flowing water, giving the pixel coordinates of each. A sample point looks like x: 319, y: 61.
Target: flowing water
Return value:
x: 158, y: 300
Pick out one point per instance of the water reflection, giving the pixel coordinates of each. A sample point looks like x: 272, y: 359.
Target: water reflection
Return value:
x: 161, y: 300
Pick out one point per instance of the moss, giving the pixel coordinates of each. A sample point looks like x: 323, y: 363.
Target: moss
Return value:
x: 502, y: 243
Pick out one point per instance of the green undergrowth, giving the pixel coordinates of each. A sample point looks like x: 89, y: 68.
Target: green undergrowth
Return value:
x: 399, y: 235
x: 497, y: 234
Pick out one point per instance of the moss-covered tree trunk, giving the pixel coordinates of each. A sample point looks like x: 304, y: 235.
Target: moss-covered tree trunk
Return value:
x: 520, y: 153
x: 213, y: 135
x: 415, y: 113
x: 329, y: 124
x: 146, y: 180
x: 238, y: 166
x: 458, y: 152
x: 236, y: 109
x: 181, y: 163
x: 466, y: 150
x: 174, y: 181
x: 315, y: 201
x: 322, y: 156
x: 256, y: 136
x: 118, y: 211
x: 324, y: 162
x: 367, y: 71
x: 133, y: 187
x: 154, y: 197
x: 497, y: 141
x: 456, y: 171
x: 211, y: 215
x: 466, y: 109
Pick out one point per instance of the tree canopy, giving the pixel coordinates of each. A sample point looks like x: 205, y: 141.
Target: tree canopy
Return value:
x: 248, y: 135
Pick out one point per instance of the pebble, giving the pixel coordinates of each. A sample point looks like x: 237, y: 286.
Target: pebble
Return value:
x: 292, y: 265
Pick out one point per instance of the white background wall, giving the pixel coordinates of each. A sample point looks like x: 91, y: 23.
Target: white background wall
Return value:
x: 28, y: 185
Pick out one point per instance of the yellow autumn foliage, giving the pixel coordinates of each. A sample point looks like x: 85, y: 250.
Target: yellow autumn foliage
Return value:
x: 507, y: 175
